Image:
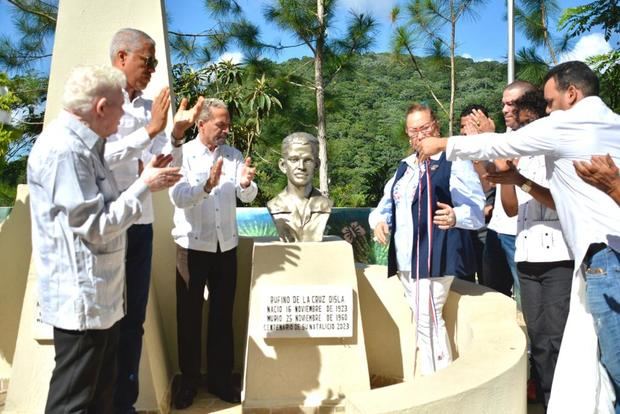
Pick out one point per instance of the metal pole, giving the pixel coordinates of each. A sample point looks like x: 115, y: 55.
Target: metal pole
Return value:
x: 511, y: 41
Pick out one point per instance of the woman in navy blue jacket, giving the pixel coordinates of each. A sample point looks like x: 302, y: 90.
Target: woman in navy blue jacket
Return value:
x: 425, y: 213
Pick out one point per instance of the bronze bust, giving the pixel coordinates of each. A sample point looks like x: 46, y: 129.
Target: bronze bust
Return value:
x: 300, y: 212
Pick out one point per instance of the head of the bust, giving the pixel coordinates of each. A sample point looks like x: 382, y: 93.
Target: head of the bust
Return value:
x: 300, y: 157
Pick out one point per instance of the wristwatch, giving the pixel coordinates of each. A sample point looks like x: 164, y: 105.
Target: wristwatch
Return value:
x: 527, y: 186
x: 177, y: 142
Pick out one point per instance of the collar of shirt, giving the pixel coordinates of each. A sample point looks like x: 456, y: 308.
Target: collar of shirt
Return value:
x: 412, y: 160
x: 87, y: 135
x: 199, y: 149
x: 138, y: 99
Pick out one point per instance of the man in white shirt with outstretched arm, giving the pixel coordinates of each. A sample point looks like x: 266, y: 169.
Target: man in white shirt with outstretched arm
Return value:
x: 580, y: 125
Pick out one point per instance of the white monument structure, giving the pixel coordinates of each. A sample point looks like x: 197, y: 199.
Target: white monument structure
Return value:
x: 314, y: 332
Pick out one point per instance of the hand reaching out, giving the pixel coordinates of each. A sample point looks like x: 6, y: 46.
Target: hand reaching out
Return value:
x: 430, y: 146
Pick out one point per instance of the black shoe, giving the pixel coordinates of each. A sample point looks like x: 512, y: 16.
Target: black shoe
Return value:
x: 184, y: 397
x: 229, y: 394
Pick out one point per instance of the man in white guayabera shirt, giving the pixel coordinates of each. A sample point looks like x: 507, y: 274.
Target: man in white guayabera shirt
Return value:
x: 205, y: 232
x: 140, y: 137
x: 79, y: 221
x: 580, y: 125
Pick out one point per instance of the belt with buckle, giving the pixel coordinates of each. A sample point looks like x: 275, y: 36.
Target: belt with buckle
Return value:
x: 594, y: 249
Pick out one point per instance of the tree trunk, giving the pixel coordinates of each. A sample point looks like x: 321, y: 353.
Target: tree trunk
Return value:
x: 320, y: 100
x: 543, y: 14
x: 452, y: 67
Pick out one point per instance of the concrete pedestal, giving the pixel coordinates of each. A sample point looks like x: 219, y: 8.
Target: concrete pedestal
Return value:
x: 302, y: 371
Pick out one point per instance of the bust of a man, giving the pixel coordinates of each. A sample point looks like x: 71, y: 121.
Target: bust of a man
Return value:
x: 300, y: 212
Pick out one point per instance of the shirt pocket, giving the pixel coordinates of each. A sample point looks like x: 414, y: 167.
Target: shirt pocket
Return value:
x: 108, y: 278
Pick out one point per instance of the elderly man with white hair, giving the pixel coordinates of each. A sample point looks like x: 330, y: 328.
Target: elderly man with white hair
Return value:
x: 79, y: 220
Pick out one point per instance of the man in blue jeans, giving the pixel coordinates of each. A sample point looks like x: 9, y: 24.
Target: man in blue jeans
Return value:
x: 579, y: 126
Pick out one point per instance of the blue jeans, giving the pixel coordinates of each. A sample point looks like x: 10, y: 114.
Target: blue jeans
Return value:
x: 603, y: 296
x: 138, y: 279
x: 508, y: 245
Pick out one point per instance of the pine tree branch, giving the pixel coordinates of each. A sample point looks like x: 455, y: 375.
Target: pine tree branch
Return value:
x: 30, y: 10
x: 424, y: 79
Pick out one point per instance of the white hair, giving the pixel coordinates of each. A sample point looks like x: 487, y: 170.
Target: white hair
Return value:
x: 86, y: 83
x: 128, y: 39
x: 205, y: 113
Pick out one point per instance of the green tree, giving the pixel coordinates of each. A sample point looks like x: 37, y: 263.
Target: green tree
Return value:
x: 430, y: 17
x: 35, y: 21
x: 534, y: 18
x: 309, y: 21
x: 21, y: 102
x: 250, y: 100
x: 604, y: 14
x: 580, y: 19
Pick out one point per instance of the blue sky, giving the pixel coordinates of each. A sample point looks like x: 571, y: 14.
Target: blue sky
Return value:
x: 481, y: 38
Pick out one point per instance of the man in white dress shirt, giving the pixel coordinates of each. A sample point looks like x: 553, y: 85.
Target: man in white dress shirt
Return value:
x: 79, y: 219
x: 205, y: 231
x: 580, y: 125
x: 543, y: 259
x: 140, y: 136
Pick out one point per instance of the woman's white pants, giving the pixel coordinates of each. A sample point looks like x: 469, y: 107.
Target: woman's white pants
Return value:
x: 432, y: 336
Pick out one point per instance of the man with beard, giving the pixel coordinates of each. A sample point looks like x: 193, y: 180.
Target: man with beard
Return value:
x: 579, y: 125
x: 542, y: 257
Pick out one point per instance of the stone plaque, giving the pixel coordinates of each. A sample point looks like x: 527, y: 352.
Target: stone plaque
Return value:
x: 307, y: 311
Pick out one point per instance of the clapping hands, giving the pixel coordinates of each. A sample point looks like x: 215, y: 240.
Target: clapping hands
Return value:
x: 247, y: 173
x: 157, y: 175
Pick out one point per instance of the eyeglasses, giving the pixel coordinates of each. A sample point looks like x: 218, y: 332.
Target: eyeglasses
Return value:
x: 149, y: 61
x: 424, y: 129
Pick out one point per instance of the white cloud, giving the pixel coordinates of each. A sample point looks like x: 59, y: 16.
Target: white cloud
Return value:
x: 475, y: 59
x: 380, y: 9
x: 587, y: 46
x: 234, y: 57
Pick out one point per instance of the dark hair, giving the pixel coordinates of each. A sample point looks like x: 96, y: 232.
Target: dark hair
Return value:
x: 574, y: 73
x: 470, y: 109
x: 523, y: 86
x: 533, y: 101
x: 421, y: 107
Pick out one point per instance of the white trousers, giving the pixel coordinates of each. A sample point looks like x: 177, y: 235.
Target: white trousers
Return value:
x: 432, y: 336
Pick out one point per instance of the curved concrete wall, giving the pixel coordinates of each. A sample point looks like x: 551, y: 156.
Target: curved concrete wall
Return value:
x: 489, y: 371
